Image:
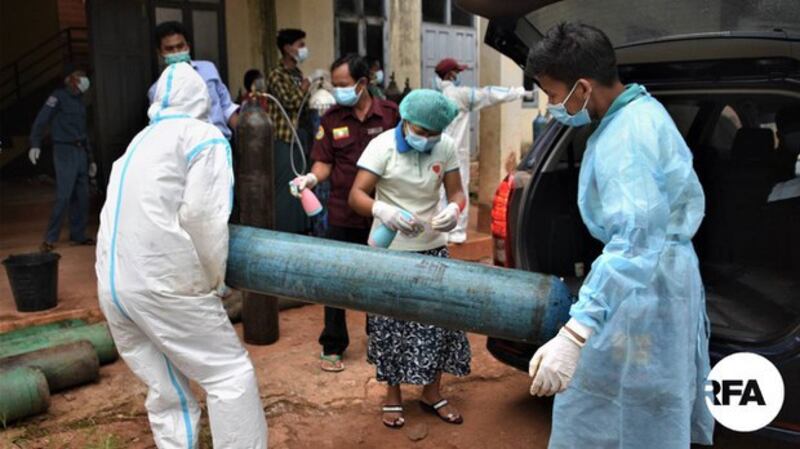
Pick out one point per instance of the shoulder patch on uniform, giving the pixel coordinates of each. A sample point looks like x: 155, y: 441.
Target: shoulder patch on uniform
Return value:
x: 52, y: 101
x: 320, y: 133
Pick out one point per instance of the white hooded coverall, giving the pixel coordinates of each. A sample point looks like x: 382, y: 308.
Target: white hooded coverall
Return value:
x: 470, y: 99
x: 161, y: 254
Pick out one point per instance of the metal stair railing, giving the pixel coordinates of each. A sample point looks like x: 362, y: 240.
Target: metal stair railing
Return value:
x: 41, y: 64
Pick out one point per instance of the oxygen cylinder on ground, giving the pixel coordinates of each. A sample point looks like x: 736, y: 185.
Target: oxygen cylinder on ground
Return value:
x: 26, y: 332
x: 96, y: 334
x: 255, y: 180
x: 64, y: 366
x: 254, y: 165
x: 23, y: 393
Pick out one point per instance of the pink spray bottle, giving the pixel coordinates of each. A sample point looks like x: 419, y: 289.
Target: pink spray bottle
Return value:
x: 311, y: 204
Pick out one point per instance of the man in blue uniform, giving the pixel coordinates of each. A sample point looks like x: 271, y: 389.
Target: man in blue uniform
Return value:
x: 65, y: 113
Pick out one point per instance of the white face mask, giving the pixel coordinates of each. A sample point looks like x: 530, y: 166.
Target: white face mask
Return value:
x: 302, y: 54
x: 83, y: 84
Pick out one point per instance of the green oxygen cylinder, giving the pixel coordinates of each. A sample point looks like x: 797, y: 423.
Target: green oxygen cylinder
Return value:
x: 64, y: 366
x: 23, y: 393
x: 30, y: 331
x: 96, y: 334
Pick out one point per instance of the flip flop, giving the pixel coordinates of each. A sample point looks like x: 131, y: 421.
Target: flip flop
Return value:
x: 398, y: 422
x: 450, y: 418
x: 331, y: 363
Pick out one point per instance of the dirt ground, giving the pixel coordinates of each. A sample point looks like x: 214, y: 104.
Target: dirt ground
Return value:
x: 304, y: 406
x: 307, y: 408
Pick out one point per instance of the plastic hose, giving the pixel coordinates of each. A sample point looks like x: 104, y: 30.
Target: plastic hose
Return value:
x: 294, y: 134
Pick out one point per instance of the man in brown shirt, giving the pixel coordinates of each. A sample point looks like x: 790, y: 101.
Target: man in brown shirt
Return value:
x: 344, y: 132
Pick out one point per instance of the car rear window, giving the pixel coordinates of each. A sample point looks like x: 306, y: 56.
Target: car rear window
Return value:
x: 683, y: 115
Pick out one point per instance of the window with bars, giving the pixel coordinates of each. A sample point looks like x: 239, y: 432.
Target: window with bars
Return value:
x: 204, y: 20
x: 359, y: 28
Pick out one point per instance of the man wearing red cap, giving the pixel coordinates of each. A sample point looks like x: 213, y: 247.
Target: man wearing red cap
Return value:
x: 468, y: 99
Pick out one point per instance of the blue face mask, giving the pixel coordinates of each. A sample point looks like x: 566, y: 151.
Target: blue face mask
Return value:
x: 559, y: 112
x: 419, y: 143
x: 346, y: 96
x: 379, y: 77
x: 456, y: 81
x: 173, y: 58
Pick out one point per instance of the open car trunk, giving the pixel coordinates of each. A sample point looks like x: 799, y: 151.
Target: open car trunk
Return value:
x: 724, y: 69
x: 748, y: 244
x: 634, y: 27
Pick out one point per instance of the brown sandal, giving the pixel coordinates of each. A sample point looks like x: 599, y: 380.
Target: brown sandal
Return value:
x: 398, y: 422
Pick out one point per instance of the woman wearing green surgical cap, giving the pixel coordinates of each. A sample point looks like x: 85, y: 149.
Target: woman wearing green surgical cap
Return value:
x: 400, y: 174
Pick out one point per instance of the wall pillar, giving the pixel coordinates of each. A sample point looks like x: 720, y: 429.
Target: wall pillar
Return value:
x: 405, y: 49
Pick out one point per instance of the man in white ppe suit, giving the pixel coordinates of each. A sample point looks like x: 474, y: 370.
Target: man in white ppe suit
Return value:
x: 468, y: 99
x: 161, y: 254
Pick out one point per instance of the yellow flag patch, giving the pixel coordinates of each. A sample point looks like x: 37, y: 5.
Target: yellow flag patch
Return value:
x: 341, y: 133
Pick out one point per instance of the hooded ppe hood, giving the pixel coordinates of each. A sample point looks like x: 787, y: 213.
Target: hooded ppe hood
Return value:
x: 180, y: 92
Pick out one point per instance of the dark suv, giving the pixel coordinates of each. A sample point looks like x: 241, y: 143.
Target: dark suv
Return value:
x: 728, y: 72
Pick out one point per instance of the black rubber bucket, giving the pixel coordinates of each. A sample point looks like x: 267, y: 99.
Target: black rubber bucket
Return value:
x: 34, y: 280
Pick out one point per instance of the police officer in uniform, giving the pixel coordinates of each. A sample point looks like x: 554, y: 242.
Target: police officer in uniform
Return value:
x: 344, y: 132
x: 65, y: 113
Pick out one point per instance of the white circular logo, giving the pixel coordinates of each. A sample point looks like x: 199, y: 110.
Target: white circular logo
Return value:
x: 744, y: 392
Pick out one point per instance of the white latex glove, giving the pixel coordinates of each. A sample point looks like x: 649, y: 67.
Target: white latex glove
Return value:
x: 300, y: 183
x: 447, y: 219
x: 92, y: 170
x: 33, y: 155
x: 553, y: 365
x: 394, y: 218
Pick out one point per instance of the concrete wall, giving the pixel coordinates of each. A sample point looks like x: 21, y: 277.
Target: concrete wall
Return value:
x: 24, y: 25
x: 245, y: 28
x: 315, y: 17
x: 251, y: 37
x: 405, y: 49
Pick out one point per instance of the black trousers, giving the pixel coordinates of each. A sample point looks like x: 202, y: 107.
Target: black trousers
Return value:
x: 334, y: 338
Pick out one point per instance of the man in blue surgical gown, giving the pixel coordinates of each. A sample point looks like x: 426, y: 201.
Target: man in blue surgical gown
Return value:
x: 629, y: 366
